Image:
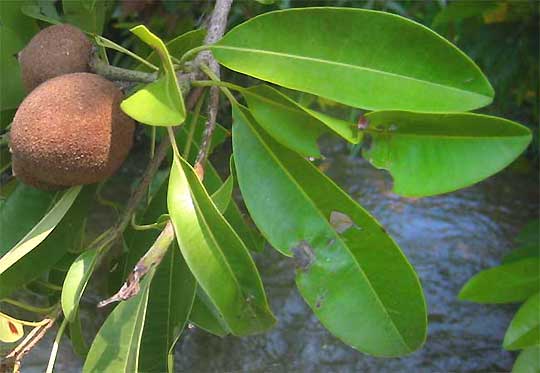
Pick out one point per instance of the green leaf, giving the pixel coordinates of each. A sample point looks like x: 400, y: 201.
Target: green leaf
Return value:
x: 24, y: 208
x: 524, y: 330
x: 178, y: 46
x: 459, y: 10
x: 350, y: 272
x: 212, y: 182
x: 76, y: 337
x: 117, y: 344
x: 88, y: 15
x: 222, y: 196
x: 429, y: 154
x: 215, y: 254
x: 362, y: 58
x: 522, y: 253
x: 512, y: 282
x: 528, y: 361
x: 16, y: 30
x: 41, y: 230
x: 205, y: 316
x: 169, y: 305
x: 42, y: 11
x: 159, y: 103
x: 292, y: 124
x: 52, y: 249
x: 530, y: 235
x: 75, y: 282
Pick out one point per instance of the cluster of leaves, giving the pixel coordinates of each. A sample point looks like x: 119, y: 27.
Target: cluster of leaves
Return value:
x: 517, y: 279
x: 418, y: 88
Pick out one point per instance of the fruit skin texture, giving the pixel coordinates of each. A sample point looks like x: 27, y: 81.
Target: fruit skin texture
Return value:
x: 70, y: 131
x: 54, y: 51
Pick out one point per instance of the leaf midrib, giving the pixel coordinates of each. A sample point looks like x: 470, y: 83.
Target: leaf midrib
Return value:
x: 347, y: 65
x: 338, y: 237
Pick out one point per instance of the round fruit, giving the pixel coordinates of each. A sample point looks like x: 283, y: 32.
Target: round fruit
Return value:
x: 70, y: 131
x: 54, y: 51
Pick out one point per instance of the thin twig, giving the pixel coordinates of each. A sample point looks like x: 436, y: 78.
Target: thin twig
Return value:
x: 216, y: 29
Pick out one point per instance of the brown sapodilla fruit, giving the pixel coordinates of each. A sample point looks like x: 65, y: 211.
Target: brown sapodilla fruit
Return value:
x: 70, y: 131
x: 54, y: 51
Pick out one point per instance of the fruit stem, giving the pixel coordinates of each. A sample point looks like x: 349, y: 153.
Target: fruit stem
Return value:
x: 110, y: 72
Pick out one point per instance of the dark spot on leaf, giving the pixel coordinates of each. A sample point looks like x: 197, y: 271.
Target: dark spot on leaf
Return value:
x: 319, y: 301
x: 340, y: 221
x: 303, y: 256
x: 13, y: 328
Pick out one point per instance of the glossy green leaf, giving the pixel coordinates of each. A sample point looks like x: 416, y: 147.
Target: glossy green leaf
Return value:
x: 222, y: 196
x: 41, y: 230
x: 215, y: 254
x: 212, y: 182
x: 524, y: 330
x: 512, y: 282
x: 349, y: 270
x: 205, y: 316
x: 169, y: 305
x: 52, y: 249
x: 116, y: 345
x: 292, y: 124
x: 179, y: 45
x: 429, y: 154
x: 522, y: 253
x: 88, y: 15
x: 16, y: 30
x: 362, y: 58
x: 75, y: 282
x: 528, y: 361
x: 159, y: 103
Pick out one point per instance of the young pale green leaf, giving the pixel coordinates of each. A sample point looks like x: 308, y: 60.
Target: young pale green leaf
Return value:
x: 524, y: 330
x: 362, y: 58
x: 159, y: 103
x: 215, y: 254
x: 169, y: 305
x: 292, y: 124
x: 116, y: 346
x: 75, y: 282
x: 88, y: 15
x: 178, y: 46
x: 528, y: 361
x: 349, y: 270
x: 41, y: 230
x: 16, y: 30
x: 52, y: 249
x: 430, y: 154
x: 512, y: 282
x: 205, y: 316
